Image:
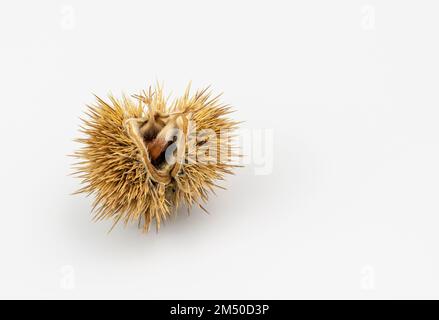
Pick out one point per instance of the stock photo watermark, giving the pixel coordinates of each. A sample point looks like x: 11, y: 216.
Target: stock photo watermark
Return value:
x: 67, y: 278
x: 68, y: 17
x: 367, y: 278
x: 246, y: 147
x: 368, y: 20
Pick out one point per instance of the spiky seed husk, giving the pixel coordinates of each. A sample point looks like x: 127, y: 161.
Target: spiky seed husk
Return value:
x: 122, y: 163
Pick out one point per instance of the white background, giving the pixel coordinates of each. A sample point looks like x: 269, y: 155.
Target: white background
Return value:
x: 349, y: 88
